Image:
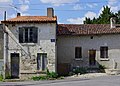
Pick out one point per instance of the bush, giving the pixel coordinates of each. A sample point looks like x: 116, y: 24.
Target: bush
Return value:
x: 1, y: 77
x: 48, y: 76
x: 102, y: 67
x: 36, y: 78
x: 80, y: 70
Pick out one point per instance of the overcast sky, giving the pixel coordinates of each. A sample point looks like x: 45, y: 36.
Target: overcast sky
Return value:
x: 67, y: 11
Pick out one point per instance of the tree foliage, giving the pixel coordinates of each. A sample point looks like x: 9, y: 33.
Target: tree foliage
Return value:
x: 104, y: 17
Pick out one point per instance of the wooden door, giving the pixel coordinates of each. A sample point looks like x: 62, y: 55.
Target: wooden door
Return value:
x: 92, y: 55
x: 14, y: 65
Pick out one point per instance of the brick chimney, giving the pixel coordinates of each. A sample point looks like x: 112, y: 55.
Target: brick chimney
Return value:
x: 50, y: 12
x: 18, y: 14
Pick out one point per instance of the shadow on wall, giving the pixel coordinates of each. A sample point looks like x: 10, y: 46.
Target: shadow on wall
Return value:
x: 66, y: 69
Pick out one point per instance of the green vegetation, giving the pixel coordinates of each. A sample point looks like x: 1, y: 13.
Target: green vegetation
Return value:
x: 104, y: 17
x: 48, y: 76
x: 78, y: 70
x: 1, y: 77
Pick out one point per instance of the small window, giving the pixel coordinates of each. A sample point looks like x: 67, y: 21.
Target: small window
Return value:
x: 41, y: 61
x: 78, y: 52
x: 103, y: 52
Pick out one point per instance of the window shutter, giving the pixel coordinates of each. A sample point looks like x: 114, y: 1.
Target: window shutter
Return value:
x: 20, y: 35
x: 35, y: 34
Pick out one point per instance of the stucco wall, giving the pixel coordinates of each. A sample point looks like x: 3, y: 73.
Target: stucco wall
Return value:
x: 1, y: 48
x: 28, y: 51
x: 66, y: 49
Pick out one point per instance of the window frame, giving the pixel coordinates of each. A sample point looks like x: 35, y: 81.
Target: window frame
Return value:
x: 104, y: 52
x: 26, y: 32
x: 78, y: 52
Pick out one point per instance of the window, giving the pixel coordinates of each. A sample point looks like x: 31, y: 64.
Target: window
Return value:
x: 78, y: 52
x: 41, y: 61
x: 103, y: 52
x: 28, y: 34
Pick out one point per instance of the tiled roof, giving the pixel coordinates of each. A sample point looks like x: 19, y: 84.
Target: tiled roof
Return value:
x: 86, y: 29
x: 36, y: 19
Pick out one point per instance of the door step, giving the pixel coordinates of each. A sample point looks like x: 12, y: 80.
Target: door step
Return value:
x: 112, y: 71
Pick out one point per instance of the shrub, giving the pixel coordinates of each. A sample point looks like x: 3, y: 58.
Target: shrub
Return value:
x: 52, y: 75
x: 1, y: 77
x: 102, y: 67
x: 48, y: 76
x: 80, y: 70
x: 36, y: 78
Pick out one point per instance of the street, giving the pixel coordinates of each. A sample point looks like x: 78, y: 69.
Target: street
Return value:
x: 99, y: 81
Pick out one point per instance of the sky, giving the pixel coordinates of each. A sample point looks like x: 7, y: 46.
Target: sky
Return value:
x: 67, y: 11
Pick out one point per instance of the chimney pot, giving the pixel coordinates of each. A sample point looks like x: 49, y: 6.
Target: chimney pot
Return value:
x: 112, y: 22
x: 50, y: 12
x: 18, y: 14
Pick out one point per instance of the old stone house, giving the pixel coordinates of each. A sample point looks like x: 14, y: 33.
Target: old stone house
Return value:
x: 30, y: 44
x: 88, y: 45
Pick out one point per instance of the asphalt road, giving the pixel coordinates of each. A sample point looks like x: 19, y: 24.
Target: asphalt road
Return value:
x: 99, y: 81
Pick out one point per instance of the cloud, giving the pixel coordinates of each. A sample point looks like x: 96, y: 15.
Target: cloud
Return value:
x: 114, y: 5
x: 90, y: 14
x: 112, y: 2
x: 5, y: 1
x: 92, y: 5
x: 76, y: 20
x: 80, y: 20
x: 58, y: 2
x: 24, y: 8
x: 25, y: 5
x: 77, y: 7
x: 24, y: 1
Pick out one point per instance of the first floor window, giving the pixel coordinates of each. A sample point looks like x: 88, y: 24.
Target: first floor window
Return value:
x: 104, y: 52
x: 28, y: 34
x: 78, y: 52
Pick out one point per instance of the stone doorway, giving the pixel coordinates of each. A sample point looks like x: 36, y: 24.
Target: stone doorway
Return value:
x: 15, y: 65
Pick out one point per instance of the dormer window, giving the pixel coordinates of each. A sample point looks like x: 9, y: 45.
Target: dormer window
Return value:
x: 28, y: 34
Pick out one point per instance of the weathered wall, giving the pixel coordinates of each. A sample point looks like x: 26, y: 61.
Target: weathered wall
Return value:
x: 28, y: 51
x: 1, y: 48
x: 66, y: 49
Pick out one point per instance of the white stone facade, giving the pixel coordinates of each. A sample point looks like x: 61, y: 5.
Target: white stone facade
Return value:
x: 66, y: 49
x: 28, y: 51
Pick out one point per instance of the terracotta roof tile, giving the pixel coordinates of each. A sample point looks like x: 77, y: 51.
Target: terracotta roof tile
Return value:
x: 86, y: 29
x: 22, y: 19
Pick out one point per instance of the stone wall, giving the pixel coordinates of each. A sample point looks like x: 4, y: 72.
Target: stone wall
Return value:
x: 28, y: 51
x: 1, y: 47
x: 66, y: 49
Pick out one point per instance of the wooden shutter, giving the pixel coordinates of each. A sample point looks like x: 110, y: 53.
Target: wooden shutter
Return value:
x: 78, y: 52
x: 21, y: 35
x: 35, y: 34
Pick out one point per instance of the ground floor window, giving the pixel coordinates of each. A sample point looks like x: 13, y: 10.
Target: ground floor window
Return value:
x: 104, y: 52
x: 41, y: 61
x: 78, y: 52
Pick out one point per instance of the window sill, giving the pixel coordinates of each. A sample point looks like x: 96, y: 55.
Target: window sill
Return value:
x: 77, y: 59
x: 104, y: 59
x: 30, y: 44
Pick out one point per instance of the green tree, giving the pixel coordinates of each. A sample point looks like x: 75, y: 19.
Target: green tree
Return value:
x: 104, y: 17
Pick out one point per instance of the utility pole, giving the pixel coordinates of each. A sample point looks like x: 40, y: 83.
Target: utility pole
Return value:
x: 5, y: 46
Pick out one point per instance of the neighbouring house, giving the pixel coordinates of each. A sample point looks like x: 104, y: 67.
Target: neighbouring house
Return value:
x: 88, y: 45
x: 30, y: 45
x: 1, y: 48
